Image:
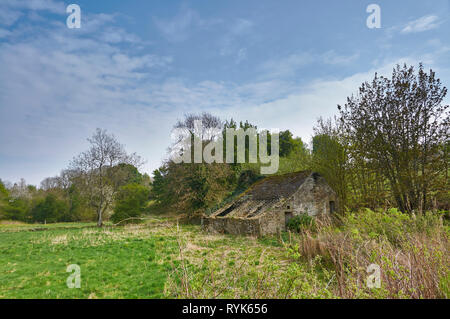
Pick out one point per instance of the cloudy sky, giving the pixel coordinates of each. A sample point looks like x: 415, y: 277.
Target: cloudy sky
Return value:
x: 135, y: 67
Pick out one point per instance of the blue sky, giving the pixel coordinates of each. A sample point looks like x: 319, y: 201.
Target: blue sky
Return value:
x: 135, y: 67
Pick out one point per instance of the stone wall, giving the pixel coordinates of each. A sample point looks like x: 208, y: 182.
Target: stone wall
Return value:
x: 312, y: 198
x: 271, y: 223
x: 230, y: 225
x: 267, y: 224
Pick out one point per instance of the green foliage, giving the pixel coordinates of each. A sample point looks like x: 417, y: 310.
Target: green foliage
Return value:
x: 329, y: 158
x: 127, y: 174
x: 287, y: 143
x: 298, y: 159
x: 102, y: 170
x: 246, y: 179
x: 17, y: 209
x: 392, y: 224
x: 3, y: 190
x: 194, y: 188
x: 300, y: 222
x: 51, y: 210
x: 130, y: 202
x: 63, y: 198
x: 244, y: 126
x: 399, y: 126
x: 160, y: 186
x: 190, y: 188
x: 3, y: 199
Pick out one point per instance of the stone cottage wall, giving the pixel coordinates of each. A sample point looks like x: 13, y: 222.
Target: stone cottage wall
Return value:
x: 268, y: 224
x: 312, y: 198
x: 272, y: 222
x: 230, y: 225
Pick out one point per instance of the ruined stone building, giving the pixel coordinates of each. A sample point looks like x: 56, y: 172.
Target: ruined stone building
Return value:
x: 267, y: 206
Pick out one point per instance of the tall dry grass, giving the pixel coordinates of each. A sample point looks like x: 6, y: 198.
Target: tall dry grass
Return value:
x: 412, y: 253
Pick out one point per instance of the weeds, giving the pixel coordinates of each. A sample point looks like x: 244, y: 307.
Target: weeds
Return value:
x: 413, y: 258
x: 328, y: 258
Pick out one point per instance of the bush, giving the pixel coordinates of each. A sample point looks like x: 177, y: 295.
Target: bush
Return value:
x: 16, y: 209
x: 246, y: 178
x: 303, y: 221
x: 130, y: 203
x: 392, y: 224
x: 50, y: 210
x: 3, y: 190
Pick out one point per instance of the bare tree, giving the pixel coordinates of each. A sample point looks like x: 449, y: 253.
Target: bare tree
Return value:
x: 210, y: 125
x: 205, y: 127
x: 50, y: 183
x: 65, y: 178
x: 95, y: 169
x: 20, y: 190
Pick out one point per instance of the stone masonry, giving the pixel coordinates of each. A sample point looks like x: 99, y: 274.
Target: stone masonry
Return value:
x: 266, y: 207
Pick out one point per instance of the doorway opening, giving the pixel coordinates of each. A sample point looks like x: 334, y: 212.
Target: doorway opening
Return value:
x: 332, y: 207
x: 287, y: 217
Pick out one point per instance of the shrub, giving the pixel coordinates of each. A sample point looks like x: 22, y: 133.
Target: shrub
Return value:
x: 3, y: 190
x: 50, y: 210
x: 246, y: 178
x: 17, y: 209
x: 130, y: 203
x: 303, y: 221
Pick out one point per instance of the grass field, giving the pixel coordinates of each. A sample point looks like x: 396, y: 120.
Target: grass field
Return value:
x: 164, y: 259
x: 122, y: 262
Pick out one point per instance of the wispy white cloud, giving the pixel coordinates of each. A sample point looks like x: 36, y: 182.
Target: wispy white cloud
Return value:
x: 8, y: 16
x: 43, y: 5
x: 57, y: 86
x: 240, y: 27
x: 12, y: 10
x: 4, y: 33
x: 232, y: 41
x: 180, y: 27
x: 331, y: 57
x: 241, y: 55
x: 287, y: 66
x: 424, y: 23
x: 188, y: 21
x: 177, y: 28
x: 69, y: 93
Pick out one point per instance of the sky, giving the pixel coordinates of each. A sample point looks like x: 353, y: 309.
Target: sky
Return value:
x: 135, y: 67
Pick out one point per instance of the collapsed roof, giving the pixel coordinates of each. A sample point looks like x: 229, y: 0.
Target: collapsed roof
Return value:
x: 263, y: 195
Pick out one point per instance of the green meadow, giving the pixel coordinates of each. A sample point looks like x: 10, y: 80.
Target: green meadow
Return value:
x: 162, y: 258
x: 135, y: 261
x: 115, y: 263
